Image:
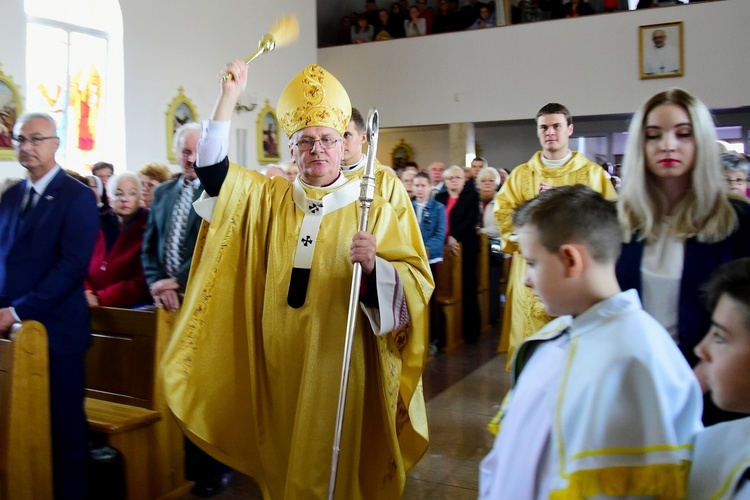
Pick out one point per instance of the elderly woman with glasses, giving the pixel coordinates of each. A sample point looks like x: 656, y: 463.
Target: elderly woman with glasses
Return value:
x: 115, y: 277
x: 462, y: 216
x: 735, y: 172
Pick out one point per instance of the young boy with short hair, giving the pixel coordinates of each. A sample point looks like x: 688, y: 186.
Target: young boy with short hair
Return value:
x: 721, y: 454
x: 603, y: 403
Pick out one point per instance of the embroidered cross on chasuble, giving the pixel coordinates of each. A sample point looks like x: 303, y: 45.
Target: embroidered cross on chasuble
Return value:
x: 314, y: 211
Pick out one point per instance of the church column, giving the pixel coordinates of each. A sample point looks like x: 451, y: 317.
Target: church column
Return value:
x: 462, y: 143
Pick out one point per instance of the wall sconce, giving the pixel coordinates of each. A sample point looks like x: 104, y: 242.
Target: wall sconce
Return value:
x: 247, y: 103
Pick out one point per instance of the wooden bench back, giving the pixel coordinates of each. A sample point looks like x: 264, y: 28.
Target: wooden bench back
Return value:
x: 25, y: 442
x: 448, y: 287
x: 125, y: 399
x: 448, y: 294
x: 121, y: 363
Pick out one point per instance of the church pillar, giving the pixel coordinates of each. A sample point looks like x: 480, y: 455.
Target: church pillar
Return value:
x: 462, y: 143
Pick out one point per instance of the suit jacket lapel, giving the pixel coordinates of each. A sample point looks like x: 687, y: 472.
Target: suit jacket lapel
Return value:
x: 170, y: 201
x: 44, y: 204
x: 192, y: 215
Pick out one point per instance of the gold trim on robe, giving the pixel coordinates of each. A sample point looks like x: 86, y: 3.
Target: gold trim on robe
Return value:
x: 255, y: 382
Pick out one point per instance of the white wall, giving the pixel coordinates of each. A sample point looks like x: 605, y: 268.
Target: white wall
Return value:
x: 507, y: 73
x: 498, y: 75
x: 173, y: 43
x: 428, y: 144
x: 176, y: 43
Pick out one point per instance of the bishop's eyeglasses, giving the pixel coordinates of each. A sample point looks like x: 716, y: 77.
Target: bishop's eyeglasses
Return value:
x: 306, y: 144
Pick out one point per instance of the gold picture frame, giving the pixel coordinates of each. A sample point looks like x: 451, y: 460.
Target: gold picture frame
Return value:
x: 400, y: 154
x: 180, y: 111
x: 267, y: 128
x: 661, y: 51
x: 11, y: 107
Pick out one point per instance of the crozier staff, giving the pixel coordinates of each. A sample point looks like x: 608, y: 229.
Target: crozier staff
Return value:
x: 253, y: 370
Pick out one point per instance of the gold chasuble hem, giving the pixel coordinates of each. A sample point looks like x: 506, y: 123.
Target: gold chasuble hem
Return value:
x: 659, y: 481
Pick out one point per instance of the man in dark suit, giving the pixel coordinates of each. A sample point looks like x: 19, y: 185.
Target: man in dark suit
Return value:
x: 168, y: 245
x: 48, y: 226
x: 173, y: 225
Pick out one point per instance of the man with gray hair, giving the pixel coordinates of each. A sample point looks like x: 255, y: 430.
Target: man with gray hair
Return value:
x: 48, y: 227
x: 173, y: 225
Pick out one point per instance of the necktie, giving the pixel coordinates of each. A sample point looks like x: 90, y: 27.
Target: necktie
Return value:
x: 30, y: 203
x: 177, y: 230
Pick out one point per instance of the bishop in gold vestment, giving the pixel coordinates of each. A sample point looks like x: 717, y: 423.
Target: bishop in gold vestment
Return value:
x: 253, y: 370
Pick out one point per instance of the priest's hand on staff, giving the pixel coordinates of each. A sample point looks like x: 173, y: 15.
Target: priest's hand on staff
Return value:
x: 363, y: 251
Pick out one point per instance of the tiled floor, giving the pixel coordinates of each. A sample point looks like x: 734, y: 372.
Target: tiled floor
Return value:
x: 462, y: 389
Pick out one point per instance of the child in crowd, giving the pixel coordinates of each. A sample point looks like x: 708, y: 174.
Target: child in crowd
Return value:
x: 721, y: 454
x: 603, y: 403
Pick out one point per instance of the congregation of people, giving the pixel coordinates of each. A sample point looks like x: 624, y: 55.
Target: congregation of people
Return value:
x: 427, y: 17
x: 624, y: 308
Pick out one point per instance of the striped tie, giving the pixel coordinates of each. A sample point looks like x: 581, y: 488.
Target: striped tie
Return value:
x: 177, y: 230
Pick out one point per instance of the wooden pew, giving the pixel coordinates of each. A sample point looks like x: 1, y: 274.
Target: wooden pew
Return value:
x: 25, y: 441
x: 483, y: 281
x: 125, y: 399
x: 448, y: 295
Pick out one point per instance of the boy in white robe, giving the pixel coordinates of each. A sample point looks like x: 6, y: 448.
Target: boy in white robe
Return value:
x: 604, y: 404
x: 721, y: 455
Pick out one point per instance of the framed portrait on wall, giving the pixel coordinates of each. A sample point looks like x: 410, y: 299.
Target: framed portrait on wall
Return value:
x: 179, y: 112
x: 268, y: 135
x: 400, y: 154
x: 661, y: 50
x: 10, y: 109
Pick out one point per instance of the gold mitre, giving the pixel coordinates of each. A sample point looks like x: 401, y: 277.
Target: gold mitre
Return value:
x: 314, y: 98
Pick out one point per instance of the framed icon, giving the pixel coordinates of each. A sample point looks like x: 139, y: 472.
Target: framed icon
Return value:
x: 661, y: 50
x: 180, y: 111
x: 400, y: 154
x: 10, y: 109
x: 268, y: 135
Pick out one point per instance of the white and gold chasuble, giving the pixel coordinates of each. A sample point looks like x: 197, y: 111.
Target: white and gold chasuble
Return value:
x: 255, y: 382
x: 524, y: 314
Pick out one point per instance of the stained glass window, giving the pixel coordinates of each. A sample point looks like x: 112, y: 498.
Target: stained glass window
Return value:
x: 69, y: 75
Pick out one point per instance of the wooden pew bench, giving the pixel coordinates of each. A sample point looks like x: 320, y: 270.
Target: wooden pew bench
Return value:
x: 25, y: 441
x: 125, y: 399
x: 448, y: 290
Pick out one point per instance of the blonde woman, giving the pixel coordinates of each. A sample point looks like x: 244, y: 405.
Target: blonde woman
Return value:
x: 680, y: 223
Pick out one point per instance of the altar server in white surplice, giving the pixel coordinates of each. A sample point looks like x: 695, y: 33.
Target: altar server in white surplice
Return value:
x: 721, y: 458
x: 604, y: 404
